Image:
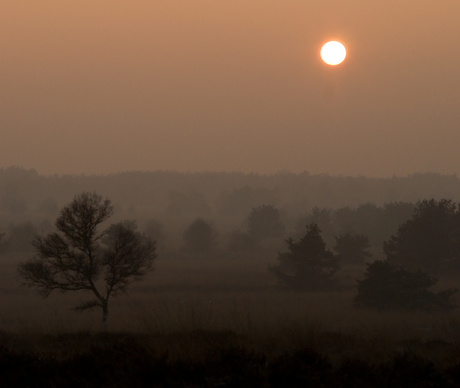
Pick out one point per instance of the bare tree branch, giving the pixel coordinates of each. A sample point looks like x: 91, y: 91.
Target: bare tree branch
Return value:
x: 74, y: 258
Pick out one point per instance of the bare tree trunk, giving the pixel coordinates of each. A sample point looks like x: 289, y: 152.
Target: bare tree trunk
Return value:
x: 105, y: 313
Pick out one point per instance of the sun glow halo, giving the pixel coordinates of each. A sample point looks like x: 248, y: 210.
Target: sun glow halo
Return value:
x: 333, y: 53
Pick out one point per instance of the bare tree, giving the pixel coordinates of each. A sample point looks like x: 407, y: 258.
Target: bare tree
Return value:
x: 80, y: 258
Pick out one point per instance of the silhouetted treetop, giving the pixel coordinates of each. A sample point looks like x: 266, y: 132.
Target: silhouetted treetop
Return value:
x: 307, y: 265
x: 75, y: 257
x: 352, y: 248
x: 390, y: 287
x: 430, y: 240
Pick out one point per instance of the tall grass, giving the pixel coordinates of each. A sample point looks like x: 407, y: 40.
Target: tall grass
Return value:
x: 187, y: 312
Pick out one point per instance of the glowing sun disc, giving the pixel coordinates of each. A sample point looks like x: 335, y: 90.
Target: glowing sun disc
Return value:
x: 333, y: 53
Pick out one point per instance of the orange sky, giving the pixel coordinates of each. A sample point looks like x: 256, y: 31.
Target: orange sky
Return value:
x: 93, y: 86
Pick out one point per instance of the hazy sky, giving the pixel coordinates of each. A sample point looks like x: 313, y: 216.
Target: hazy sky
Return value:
x: 91, y: 86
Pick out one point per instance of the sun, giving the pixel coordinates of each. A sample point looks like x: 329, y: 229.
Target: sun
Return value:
x: 333, y: 53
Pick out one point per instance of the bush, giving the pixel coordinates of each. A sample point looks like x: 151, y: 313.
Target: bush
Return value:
x: 388, y: 286
x: 430, y: 240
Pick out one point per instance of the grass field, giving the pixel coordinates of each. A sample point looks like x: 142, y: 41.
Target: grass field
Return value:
x: 192, y: 311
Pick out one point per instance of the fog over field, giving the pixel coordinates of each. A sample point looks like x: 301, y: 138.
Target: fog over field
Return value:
x: 190, y: 195
x: 217, y: 232
x: 271, y: 266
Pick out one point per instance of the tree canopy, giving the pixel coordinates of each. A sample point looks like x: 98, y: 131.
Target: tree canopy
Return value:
x: 307, y: 265
x: 390, y: 287
x: 80, y: 257
x: 352, y: 248
x: 430, y: 240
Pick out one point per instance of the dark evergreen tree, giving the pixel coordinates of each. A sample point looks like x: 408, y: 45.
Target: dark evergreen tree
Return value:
x: 390, y: 287
x: 307, y: 265
x: 430, y: 240
x: 324, y: 219
x: 352, y: 248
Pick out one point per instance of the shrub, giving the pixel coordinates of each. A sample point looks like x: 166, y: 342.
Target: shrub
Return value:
x: 388, y: 286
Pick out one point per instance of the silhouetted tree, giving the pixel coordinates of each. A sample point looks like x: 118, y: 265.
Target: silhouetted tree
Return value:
x: 322, y: 217
x: 352, y: 248
x: 200, y: 237
x: 264, y: 222
x: 430, y: 240
x: 390, y: 287
x: 367, y: 218
x: 79, y: 257
x: 307, y: 265
x: 377, y: 223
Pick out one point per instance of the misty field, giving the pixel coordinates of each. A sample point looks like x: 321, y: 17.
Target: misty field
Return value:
x: 213, y: 312
x: 225, y: 294
x: 229, y: 194
x: 206, y: 315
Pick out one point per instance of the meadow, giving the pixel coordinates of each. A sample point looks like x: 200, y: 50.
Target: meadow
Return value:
x: 222, y: 322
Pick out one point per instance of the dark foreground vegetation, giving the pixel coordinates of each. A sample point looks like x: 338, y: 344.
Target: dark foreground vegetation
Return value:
x: 244, y: 267
x: 219, y: 359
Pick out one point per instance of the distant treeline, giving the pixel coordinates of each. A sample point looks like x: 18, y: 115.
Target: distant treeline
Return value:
x: 223, y: 194
x: 169, y: 202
